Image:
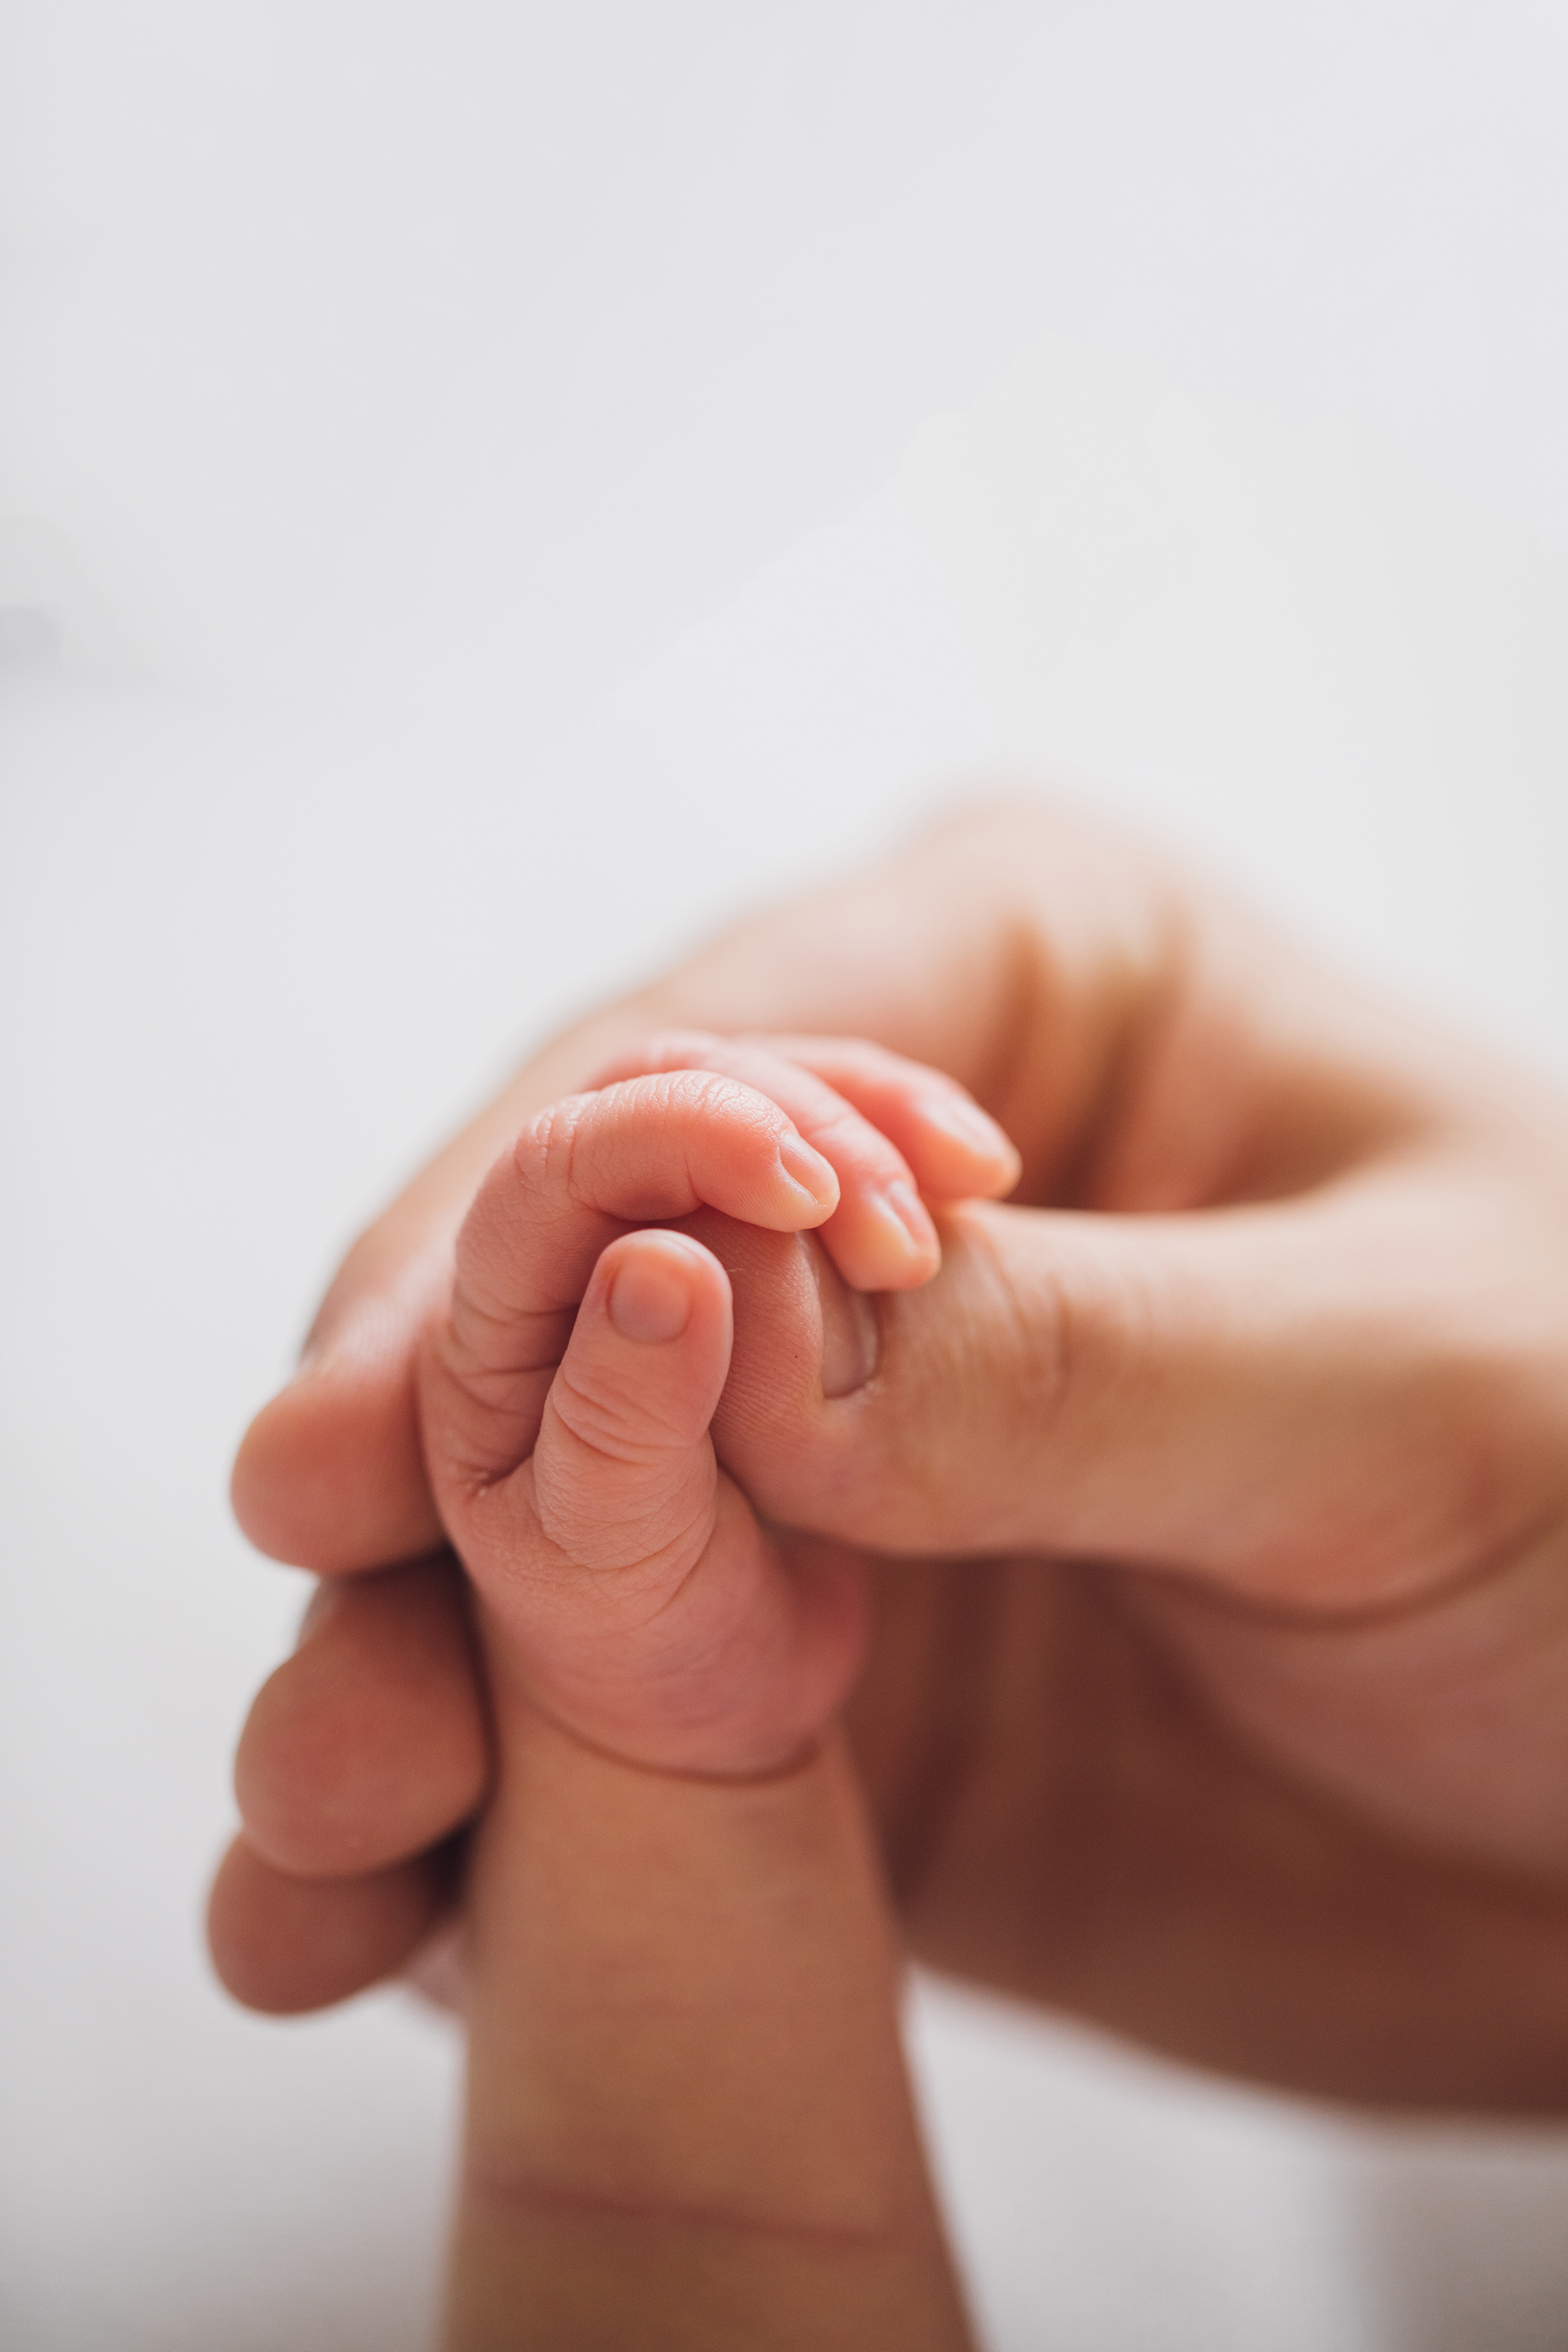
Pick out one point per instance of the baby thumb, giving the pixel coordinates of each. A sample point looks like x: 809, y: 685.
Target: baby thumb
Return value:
x: 613, y: 1502
x: 622, y: 1473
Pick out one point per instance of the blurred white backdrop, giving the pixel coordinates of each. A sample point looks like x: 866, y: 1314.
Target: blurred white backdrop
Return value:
x: 485, y: 491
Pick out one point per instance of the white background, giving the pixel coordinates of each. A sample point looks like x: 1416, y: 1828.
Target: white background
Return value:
x: 486, y: 490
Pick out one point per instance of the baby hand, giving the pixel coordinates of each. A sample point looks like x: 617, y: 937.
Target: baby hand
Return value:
x: 627, y: 1588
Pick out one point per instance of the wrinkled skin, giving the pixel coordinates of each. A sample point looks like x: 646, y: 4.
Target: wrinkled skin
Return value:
x: 1214, y: 1494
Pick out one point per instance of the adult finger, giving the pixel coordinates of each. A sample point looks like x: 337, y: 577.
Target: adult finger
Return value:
x: 1011, y: 946
x: 1316, y: 1405
x: 329, y: 1476
x: 371, y: 1742
x: 1003, y: 922
x: 283, y: 1944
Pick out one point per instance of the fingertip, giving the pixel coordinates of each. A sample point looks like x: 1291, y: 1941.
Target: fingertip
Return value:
x: 650, y: 1290
x: 912, y: 1215
x: 283, y: 1945
x: 897, y: 1246
x: 623, y: 1469
x: 330, y: 1475
x: 965, y: 1153
x: 1003, y: 1170
x: 666, y: 1295
x: 808, y: 1173
x: 370, y: 1742
x: 882, y: 1238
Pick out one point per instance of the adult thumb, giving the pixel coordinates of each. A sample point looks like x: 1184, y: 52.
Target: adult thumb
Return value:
x: 1275, y: 1398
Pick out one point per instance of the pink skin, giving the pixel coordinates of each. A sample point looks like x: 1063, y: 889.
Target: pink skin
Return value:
x: 1215, y: 1489
x: 379, y: 1694
x: 289, y: 1491
x: 891, y: 1129
x: 567, y: 1393
x: 677, y: 1922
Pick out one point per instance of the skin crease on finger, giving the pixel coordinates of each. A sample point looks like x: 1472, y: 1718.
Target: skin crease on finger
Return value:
x: 1396, y: 1894
x: 623, y: 1581
x: 367, y: 1744
x: 677, y: 1923
x: 1078, y: 1803
x: 370, y: 1743
x: 1078, y: 1021
x: 1345, y: 1697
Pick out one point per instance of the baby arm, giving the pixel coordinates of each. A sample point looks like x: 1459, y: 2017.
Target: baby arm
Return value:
x: 688, y: 2121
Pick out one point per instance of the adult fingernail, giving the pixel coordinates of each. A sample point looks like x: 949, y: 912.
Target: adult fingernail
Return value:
x: 808, y: 1169
x: 649, y: 1299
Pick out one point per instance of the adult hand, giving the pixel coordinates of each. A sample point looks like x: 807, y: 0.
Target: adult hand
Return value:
x: 1217, y: 1693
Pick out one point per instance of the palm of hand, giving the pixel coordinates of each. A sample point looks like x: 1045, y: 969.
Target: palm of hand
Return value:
x: 1279, y: 1784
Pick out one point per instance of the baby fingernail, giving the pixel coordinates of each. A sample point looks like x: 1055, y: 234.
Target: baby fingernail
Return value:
x: 649, y: 1301
x: 808, y: 1168
x: 901, y: 1204
x: 967, y: 1124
